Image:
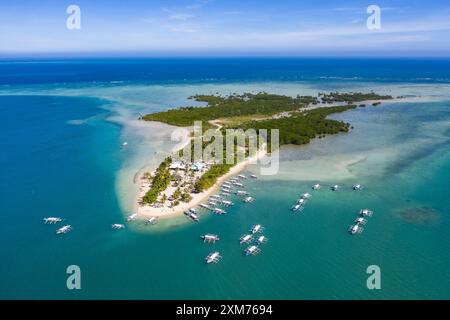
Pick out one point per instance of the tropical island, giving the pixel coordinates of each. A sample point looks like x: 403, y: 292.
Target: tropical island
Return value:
x: 177, y: 186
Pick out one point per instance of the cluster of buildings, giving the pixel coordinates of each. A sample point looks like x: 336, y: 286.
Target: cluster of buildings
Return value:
x: 180, y: 165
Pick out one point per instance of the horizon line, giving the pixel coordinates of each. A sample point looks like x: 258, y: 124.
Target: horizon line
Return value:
x: 161, y: 55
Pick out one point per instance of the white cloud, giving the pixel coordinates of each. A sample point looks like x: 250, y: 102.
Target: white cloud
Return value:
x: 181, y: 16
x: 186, y: 29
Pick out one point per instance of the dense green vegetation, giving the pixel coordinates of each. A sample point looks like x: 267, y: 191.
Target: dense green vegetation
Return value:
x: 302, y: 127
x: 210, y: 177
x: 351, y: 97
x: 230, y: 106
x: 262, y: 103
x: 159, y: 182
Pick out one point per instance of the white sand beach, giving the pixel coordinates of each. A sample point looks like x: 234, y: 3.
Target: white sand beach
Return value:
x: 146, y: 211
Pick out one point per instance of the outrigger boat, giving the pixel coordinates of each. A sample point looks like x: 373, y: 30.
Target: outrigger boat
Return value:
x: 241, y: 176
x: 52, y: 220
x: 64, y: 229
x: 301, y: 201
x: 213, y: 257
x: 365, y: 213
x: 210, y: 238
x: 132, y: 217
x: 192, y: 215
x: 355, y: 229
x: 360, y: 220
x: 253, y: 176
x: 118, y: 226
x: 316, y: 187
x: 237, y: 184
x: 335, y: 187
x: 357, y: 187
x: 261, y: 239
x: 203, y: 205
x: 296, y: 207
x: 246, y: 238
x: 305, y: 195
x: 227, y: 203
x: 249, y: 199
x: 242, y: 193
x: 219, y: 211
x: 252, y: 250
x: 257, y: 228
x: 151, y: 221
x: 213, y: 203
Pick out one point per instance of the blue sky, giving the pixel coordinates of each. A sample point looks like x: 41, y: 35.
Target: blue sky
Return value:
x: 226, y: 27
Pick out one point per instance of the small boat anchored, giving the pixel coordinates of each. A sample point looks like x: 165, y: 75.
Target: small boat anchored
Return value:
x: 257, y: 228
x: 203, y: 205
x: 335, y: 188
x: 365, y: 213
x: 242, y: 193
x: 246, y: 238
x: 151, y: 221
x: 118, y: 226
x: 316, y: 187
x: 213, y: 257
x: 252, y: 250
x: 219, y: 211
x: 253, y: 176
x: 355, y: 229
x: 261, y: 239
x: 249, y: 199
x: 305, y: 195
x: 227, y: 203
x: 192, y: 215
x: 64, y: 229
x: 357, y: 187
x: 241, y: 176
x: 52, y: 220
x: 360, y: 221
x: 210, y: 238
x: 132, y: 217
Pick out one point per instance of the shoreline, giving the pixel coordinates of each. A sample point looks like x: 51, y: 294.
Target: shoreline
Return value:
x: 145, y: 211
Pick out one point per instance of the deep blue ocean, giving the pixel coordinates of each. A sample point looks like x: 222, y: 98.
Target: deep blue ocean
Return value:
x: 201, y: 70
x: 64, y: 121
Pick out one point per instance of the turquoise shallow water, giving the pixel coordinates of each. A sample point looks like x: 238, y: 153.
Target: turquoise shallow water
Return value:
x: 53, y: 165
